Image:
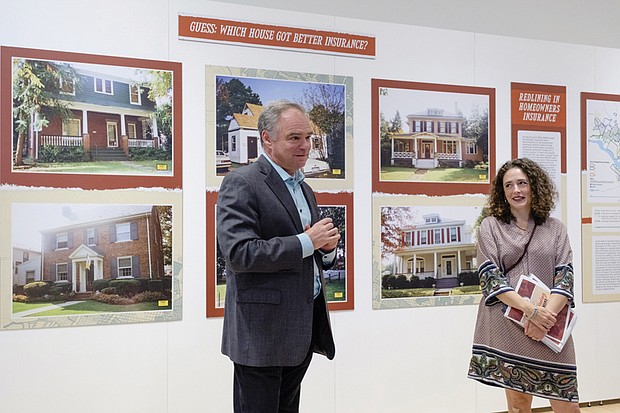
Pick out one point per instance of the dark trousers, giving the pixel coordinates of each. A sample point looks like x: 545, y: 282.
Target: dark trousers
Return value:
x: 274, y: 389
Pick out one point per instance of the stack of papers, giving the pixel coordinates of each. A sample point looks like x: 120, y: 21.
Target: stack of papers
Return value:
x: 533, y: 289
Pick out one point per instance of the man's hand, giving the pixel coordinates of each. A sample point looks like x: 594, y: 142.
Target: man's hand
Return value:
x: 323, y: 234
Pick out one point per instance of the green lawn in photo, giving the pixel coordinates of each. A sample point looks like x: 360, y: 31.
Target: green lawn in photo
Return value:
x: 335, y: 290
x: 19, y: 307
x: 399, y: 173
x: 220, y: 295
x: 150, y: 167
x: 427, y: 292
x: 332, y: 289
x: 87, y: 307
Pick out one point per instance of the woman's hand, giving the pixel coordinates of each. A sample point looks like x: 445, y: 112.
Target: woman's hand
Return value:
x: 543, y: 318
x: 533, y: 331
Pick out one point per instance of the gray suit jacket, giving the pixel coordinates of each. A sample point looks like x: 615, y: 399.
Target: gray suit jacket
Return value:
x: 268, y: 316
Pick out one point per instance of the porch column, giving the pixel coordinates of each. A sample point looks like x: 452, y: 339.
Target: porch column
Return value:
x: 392, y: 155
x: 437, y: 268
x: 154, y: 127
x: 123, y: 127
x: 458, y: 261
x: 84, y: 121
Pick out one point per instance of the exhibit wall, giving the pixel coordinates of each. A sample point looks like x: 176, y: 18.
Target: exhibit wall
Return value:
x: 389, y: 357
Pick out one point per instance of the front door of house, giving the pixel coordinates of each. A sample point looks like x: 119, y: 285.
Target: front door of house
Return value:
x: 252, y: 147
x: 427, y: 150
x: 448, y: 265
x: 112, y: 131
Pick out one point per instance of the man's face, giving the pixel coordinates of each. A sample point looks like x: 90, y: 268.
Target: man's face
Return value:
x: 291, y: 146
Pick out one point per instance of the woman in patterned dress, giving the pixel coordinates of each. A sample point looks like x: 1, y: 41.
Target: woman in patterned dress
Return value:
x: 504, y: 353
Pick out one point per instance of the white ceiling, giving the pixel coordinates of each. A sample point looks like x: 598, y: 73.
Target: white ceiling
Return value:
x: 588, y: 22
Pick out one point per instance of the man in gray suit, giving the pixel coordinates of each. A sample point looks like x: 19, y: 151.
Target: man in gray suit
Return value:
x: 275, y: 248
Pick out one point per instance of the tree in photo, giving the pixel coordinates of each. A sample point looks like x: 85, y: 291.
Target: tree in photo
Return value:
x: 230, y: 98
x: 36, y: 89
x: 160, y: 92
x: 326, y: 111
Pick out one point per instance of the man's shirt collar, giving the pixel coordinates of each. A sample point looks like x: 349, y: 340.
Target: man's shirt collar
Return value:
x: 297, y: 178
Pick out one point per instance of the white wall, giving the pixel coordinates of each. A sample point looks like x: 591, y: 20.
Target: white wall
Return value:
x: 383, y: 362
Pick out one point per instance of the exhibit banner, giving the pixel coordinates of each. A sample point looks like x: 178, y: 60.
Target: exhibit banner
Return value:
x: 539, y: 132
x: 280, y: 37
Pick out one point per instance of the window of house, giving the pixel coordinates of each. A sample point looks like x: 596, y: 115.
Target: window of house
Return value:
x: 134, y: 95
x: 417, y: 126
x: 90, y: 236
x: 123, y: 232
x: 442, y: 127
x: 419, y: 265
x: 25, y: 256
x: 423, y: 238
x: 62, y: 272
x: 71, y: 127
x: 103, y: 86
x: 471, y: 148
x: 407, y: 238
x: 433, y: 219
x: 233, y: 144
x: 428, y: 126
x: 449, y: 147
x: 453, y: 234
x: 67, y: 86
x: 29, y: 277
x: 124, y: 267
x: 62, y: 240
x: 454, y: 128
x: 131, y: 131
x: 437, y: 236
x: 16, y: 264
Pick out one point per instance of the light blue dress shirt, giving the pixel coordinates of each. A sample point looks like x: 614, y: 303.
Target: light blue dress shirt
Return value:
x: 293, y: 184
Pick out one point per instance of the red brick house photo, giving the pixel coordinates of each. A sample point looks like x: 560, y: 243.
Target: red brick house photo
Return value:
x: 107, y: 242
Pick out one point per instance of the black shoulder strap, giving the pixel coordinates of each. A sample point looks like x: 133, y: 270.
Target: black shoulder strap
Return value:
x: 523, y: 254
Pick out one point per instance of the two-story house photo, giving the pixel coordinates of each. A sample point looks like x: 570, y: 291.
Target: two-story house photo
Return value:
x: 437, y: 247
x: 109, y: 113
x: 113, y: 241
x: 244, y: 143
x: 435, y: 137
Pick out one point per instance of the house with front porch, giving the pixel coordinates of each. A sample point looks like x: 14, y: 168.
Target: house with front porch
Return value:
x: 435, y: 139
x: 108, y: 115
x: 114, y: 241
x: 438, y: 247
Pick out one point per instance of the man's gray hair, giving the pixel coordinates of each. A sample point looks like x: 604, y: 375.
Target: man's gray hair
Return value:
x: 269, y: 120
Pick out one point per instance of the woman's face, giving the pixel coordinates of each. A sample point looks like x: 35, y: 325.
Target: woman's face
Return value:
x: 517, y: 191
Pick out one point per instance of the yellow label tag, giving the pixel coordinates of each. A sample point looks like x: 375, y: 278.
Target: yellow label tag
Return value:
x: 336, y: 171
x: 482, y: 177
x: 161, y: 167
x: 162, y: 303
x: 338, y: 294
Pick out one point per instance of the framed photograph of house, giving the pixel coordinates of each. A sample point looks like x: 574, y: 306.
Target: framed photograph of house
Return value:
x: 338, y: 279
x: 235, y: 100
x: 73, y: 120
x: 90, y: 262
x: 432, y: 139
x: 424, y: 251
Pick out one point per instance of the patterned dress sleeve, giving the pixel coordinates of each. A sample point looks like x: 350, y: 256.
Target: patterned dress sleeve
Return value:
x: 492, y: 279
x: 564, y: 276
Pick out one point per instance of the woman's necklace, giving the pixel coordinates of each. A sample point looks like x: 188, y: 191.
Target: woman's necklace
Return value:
x: 522, y: 229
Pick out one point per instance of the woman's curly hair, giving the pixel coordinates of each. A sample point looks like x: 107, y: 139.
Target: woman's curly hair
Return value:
x: 541, y: 186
